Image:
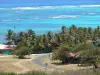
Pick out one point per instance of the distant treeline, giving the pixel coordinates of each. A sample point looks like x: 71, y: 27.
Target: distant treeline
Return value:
x: 72, y: 36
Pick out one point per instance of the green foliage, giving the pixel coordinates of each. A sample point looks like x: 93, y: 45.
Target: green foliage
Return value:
x: 61, y: 53
x: 89, y: 54
x: 29, y: 73
x: 22, y: 51
x: 38, y: 43
x: 2, y: 73
x: 10, y: 37
x: 64, y: 29
x: 84, y: 46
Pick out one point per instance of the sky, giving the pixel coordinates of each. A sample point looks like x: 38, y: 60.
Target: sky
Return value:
x: 49, y: 2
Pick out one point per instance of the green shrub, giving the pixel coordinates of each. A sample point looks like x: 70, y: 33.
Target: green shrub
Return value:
x: 21, y: 52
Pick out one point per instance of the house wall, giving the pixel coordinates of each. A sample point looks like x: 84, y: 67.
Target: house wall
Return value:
x: 5, y: 52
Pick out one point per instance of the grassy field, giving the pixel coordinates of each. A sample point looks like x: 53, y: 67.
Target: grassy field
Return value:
x: 9, y: 63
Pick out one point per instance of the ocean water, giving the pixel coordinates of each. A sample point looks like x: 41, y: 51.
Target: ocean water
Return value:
x: 42, y: 19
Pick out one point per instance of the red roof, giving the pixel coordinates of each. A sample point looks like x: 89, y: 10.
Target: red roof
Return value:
x: 90, y: 41
x: 6, y: 47
x: 73, y: 55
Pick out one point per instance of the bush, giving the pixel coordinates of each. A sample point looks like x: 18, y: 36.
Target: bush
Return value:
x: 84, y: 46
x: 21, y: 52
x: 89, y: 54
x: 61, y: 53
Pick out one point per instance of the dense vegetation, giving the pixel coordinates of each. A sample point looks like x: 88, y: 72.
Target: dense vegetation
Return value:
x: 82, y: 41
x: 70, y: 36
x: 80, y: 72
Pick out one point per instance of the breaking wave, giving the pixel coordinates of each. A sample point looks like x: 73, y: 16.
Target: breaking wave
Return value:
x: 10, y: 20
x: 89, y: 6
x: 63, y: 16
x: 50, y: 7
x: 89, y: 13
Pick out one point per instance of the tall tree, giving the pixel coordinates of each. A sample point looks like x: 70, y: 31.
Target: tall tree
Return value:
x: 90, y: 56
x: 61, y: 53
x: 64, y: 29
x: 10, y: 37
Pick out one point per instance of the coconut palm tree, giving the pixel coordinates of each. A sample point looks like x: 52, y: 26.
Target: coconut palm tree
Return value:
x: 50, y: 35
x: 64, y: 29
x: 30, y: 32
x: 10, y: 37
x: 38, y: 44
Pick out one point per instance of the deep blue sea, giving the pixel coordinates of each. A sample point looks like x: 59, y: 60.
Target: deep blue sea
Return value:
x: 42, y: 19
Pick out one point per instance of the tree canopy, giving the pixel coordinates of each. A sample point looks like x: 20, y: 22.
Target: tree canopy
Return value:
x: 74, y: 39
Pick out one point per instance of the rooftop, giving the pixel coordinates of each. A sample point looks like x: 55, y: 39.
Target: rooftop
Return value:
x: 6, y: 47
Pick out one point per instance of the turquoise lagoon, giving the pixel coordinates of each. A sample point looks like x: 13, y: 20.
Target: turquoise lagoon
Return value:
x: 42, y: 19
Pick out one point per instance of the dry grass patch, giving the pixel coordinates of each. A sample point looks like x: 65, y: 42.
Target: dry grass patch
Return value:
x: 73, y: 67
x: 6, y: 64
x: 9, y: 63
